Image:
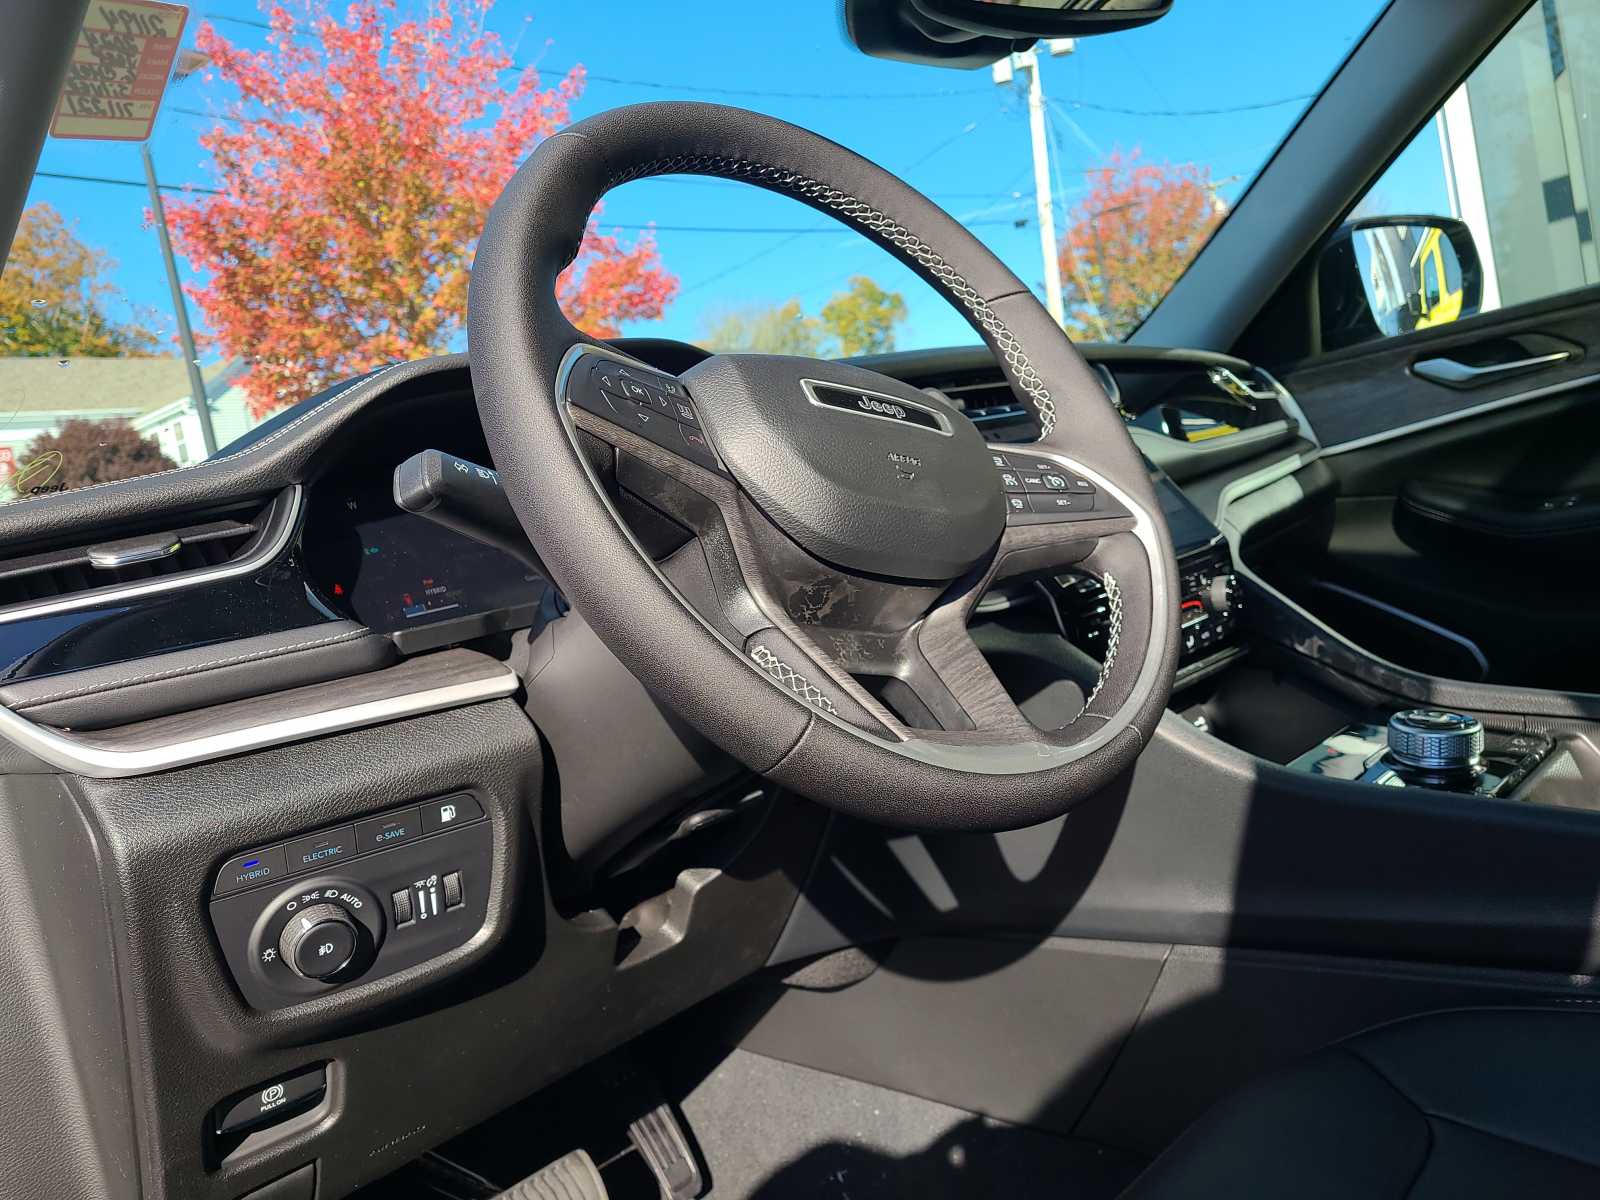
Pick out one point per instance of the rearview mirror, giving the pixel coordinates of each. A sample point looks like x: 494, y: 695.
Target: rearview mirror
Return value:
x: 1386, y: 276
x: 1042, y: 18
x: 975, y: 33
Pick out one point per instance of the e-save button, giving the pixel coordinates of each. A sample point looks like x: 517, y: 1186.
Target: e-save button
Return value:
x: 390, y: 830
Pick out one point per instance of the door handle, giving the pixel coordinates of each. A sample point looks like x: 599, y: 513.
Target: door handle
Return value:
x: 1461, y: 375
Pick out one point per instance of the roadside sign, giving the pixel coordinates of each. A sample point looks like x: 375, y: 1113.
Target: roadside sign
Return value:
x: 119, y: 70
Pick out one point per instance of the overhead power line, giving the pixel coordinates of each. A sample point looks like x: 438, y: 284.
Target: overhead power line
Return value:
x: 771, y: 94
x: 1225, y: 110
x: 793, y: 231
x: 138, y: 183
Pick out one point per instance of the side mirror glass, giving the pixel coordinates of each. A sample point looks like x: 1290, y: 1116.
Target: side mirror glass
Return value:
x: 1387, y: 276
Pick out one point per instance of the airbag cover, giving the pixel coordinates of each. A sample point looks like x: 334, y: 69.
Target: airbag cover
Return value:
x: 863, y: 471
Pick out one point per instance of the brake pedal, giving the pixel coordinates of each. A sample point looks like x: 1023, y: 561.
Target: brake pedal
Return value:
x: 571, y: 1177
x: 660, y: 1141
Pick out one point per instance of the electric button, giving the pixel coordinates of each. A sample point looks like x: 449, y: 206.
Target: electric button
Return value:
x: 320, y: 849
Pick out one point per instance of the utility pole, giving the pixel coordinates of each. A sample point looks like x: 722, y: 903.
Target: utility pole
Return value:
x: 186, y: 336
x: 1004, y: 72
x: 189, y: 61
x: 191, y: 357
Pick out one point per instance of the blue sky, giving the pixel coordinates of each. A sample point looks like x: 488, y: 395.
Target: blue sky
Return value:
x: 953, y: 134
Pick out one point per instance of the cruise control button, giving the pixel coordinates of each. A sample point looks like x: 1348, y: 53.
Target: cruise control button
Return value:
x: 388, y: 831
x: 1055, y: 481
x: 1017, y: 504
x: 1032, y: 481
x: 1079, y: 484
x: 1011, y: 481
x: 1060, y: 502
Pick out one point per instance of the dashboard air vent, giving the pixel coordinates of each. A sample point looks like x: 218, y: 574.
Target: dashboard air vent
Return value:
x: 100, y: 570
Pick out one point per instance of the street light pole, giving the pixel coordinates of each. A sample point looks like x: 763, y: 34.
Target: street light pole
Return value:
x: 191, y: 357
x: 1004, y: 71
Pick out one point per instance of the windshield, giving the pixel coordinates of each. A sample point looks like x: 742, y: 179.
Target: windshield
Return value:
x: 252, y: 203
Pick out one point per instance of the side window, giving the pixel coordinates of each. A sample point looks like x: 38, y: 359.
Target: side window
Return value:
x: 1492, y: 203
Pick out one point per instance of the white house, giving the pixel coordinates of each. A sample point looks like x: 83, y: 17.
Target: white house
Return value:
x: 152, y: 393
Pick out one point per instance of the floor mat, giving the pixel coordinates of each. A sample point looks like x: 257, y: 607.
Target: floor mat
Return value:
x: 770, y: 1130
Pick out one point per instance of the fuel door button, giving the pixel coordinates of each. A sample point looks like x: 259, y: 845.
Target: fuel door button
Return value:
x: 448, y: 812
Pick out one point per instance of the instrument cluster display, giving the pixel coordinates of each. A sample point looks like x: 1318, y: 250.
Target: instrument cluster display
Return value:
x: 393, y: 571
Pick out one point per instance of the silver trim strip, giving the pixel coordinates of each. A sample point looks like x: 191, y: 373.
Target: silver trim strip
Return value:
x: 72, y: 753
x: 1372, y: 439
x: 266, y: 549
x: 809, y: 386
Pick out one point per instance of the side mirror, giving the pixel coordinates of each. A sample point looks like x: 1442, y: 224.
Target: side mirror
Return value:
x: 1385, y: 276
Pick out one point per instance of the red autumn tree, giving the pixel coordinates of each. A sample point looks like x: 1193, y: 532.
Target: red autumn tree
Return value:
x: 1131, y: 237
x: 356, y: 168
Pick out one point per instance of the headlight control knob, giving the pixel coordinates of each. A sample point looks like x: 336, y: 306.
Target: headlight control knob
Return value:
x: 319, y: 941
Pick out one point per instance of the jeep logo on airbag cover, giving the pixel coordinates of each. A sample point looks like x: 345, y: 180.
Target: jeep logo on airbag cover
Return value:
x: 868, y: 404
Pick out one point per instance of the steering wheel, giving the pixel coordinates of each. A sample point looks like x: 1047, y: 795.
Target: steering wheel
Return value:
x: 844, y: 524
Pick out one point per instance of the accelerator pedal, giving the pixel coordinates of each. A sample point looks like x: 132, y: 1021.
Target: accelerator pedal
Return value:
x: 661, y: 1143
x: 571, y: 1177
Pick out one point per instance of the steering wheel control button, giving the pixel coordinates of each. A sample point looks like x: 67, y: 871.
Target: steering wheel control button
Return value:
x: 1017, y: 504
x: 451, y: 810
x: 1011, y: 481
x: 654, y: 400
x: 1001, y: 461
x: 391, y: 830
x: 693, y: 445
x: 321, y: 849
x: 683, y: 412
x: 249, y: 869
x: 273, y: 1102
x: 1060, y: 502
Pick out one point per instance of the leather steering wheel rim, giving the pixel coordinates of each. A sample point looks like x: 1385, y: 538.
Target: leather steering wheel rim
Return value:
x: 993, y: 771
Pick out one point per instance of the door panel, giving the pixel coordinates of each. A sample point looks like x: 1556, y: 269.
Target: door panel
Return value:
x: 1460, y: 540
x: 1375, y: 389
